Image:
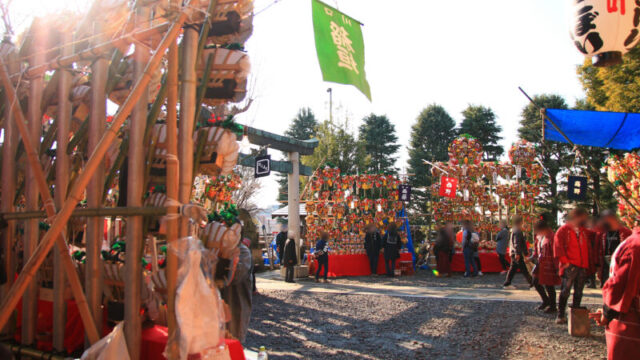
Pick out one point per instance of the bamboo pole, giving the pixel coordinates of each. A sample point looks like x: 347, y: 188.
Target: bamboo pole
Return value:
x: 95, y: 51
x: 31, y: 229
x: 172, y: 193
x: 135, y: 182
x: 75, y: 195
x: 8, y: 195
x: 34, y: 164
x: 187, y: 112
x: 95, y: 225
x: 91, y: 212
x: 63, y: 122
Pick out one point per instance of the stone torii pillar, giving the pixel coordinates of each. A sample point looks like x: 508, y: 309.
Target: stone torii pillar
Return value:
x: 294, y: 199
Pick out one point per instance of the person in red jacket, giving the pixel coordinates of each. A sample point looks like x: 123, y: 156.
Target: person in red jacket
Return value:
x: 621, y: 298
x: 610, y: 234
x: 572, y: 249
x: 545, y: 273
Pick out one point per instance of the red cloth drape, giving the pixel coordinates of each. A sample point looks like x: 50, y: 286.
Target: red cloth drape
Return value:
x: 355, y: 265
x: 73, y: 331
x: 488, y: 260
x: 154, y: 340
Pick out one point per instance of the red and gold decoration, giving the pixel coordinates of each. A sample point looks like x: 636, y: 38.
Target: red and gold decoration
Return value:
x: 624, y: 173
x: 343, y: 205
x: 485, y: 192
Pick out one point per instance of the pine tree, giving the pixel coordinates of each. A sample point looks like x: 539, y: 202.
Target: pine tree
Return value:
x: 338, y: 147
x: 555, y: 157
x: 480, y: 122
x: 378, y: 135
x: 303, y: 127
x: 430, y: 138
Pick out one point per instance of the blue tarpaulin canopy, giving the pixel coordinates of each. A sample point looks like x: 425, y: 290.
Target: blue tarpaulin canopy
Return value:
x: 605, y: 129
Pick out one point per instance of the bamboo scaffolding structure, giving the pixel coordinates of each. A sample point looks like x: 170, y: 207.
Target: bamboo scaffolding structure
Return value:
x: 32, y: 157
x: 31, y: 230
x: 75, y: 195
x: 89, y: 212
x: 32, y: 353
x: 93, y: 279
x: 187, y: 113
x: 8, y: 195
x: 135, y: 182
x: 63, y: 122
x: 171, y: 271
x: 95, y: 51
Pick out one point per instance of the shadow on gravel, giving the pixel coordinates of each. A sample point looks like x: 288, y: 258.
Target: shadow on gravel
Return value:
x: 294, y: 325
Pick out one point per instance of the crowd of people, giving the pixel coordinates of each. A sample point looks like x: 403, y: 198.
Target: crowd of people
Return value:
x: 570, y: 257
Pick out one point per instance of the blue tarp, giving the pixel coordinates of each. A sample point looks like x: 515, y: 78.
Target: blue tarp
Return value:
x: 605, y: 129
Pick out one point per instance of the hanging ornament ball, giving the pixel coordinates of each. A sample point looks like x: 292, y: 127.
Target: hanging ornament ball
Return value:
x: 605, y: 30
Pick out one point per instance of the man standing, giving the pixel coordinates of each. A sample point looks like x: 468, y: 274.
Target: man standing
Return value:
x: 372, y: 243
x: 572, y: 248
x: 611, y: 233
x: 518, y: 254
x: 502, y: 240
x: 470, y: 266
x: 238, y: 295
x: 621, y: 297
x: 289, y: 258
x: 281, y: 238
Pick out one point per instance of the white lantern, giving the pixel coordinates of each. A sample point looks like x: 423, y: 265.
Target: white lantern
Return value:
x: 605, y: 29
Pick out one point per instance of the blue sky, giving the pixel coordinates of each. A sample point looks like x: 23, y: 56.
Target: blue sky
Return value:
x: 418, y: 52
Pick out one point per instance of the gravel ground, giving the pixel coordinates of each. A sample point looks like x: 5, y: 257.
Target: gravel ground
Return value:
x: 296, y: 325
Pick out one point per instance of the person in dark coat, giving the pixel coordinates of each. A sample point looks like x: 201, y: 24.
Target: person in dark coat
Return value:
x: 372, y: 243
x: 290, y: 260
x: 609, y: 235
x: 391, y: 241
x: 281, y: 238
x: 238, y: 294
x: 322, y: 256
x: 518, y: 253
x: 442, y: 249
x: 502, y: 242
x: 545, y: 273
x: 468, y: 248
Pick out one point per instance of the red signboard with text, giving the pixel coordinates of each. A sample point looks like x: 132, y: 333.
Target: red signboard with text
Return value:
x: 448, y: 186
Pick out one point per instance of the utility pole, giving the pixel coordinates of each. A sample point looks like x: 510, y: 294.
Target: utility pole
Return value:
x: 330, y: 91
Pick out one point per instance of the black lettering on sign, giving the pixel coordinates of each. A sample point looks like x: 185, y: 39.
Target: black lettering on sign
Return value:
x: 585, y: 20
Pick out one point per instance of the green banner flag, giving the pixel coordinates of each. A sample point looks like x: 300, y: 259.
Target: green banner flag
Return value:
x: 340, y: 47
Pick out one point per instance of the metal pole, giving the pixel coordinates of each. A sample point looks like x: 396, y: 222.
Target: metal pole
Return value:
x: 95, y: 225
x: 75, y: 195
x: 330, y: 91
x: 63, y: 120
x: 135, y: 182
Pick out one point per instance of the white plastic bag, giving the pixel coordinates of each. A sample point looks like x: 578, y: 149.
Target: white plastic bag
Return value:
x: 112, y: 346
x: 198, y: 307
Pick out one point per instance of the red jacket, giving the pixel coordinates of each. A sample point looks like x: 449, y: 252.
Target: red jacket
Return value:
x: 569, y: 248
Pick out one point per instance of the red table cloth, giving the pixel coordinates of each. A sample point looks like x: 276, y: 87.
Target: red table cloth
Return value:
x: 355, y: 265
x: 489, y: 262
x: 154, y: 340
